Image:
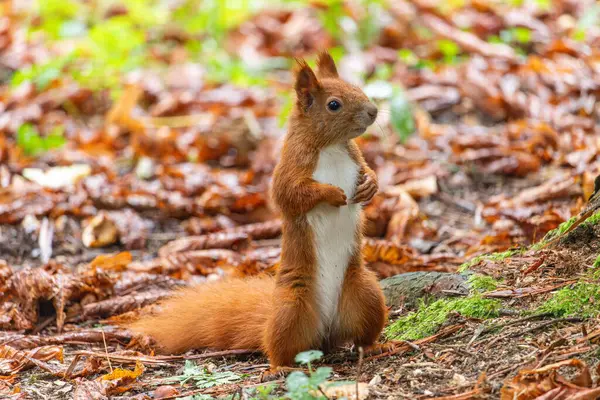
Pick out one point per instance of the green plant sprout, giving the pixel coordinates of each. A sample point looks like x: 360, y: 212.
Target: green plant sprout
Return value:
x: 32, y: 144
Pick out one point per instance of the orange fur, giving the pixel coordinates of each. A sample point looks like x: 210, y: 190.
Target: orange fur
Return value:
x: 281, y: 316
x: 218, y: 315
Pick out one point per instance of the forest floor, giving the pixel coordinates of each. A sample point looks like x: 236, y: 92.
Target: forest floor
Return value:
x: 137, y: 142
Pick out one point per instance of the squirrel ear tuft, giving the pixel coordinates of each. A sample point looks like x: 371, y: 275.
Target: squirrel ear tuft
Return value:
x: 306, y: 85
x: 326, y: 65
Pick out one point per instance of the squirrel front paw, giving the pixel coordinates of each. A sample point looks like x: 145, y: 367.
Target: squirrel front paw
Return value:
x: 335, y: 196
x: 365, y: 190
x: 272, y: 374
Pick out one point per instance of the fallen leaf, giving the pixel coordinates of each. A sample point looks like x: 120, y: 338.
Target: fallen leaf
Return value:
x: 58, y: 177
x: 112, y: 262
x: 547, y: 383
x: 100, y: 231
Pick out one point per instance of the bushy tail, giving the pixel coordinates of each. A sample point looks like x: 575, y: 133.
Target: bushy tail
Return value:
x: 230, y: 314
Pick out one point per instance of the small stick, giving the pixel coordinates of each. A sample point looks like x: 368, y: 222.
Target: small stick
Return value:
x: 71, y: 367
x: 359, y: 368
x: 410, y: 344
x: 106, y: 351
x: 160, y: 360
x: 500, y: 326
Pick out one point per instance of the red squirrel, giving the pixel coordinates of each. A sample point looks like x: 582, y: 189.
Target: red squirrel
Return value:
x: 322, y: 295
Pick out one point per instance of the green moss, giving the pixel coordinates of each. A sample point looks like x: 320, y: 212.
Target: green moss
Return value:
x: 593, y: 219
x: 429, y: 318
x: 597, y: 262
x: 581, y: 299
x: 482, y: 283
x: 492, y: 257
x: 562, y: 228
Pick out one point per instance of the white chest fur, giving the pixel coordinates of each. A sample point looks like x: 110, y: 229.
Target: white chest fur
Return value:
x: 334, y: 230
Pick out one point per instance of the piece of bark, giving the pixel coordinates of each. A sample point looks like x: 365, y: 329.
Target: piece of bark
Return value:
x: 405, y: 290
x: 119, y: 305
x: 21, y: 341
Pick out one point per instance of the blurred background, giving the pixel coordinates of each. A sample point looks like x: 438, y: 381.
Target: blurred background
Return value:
x: 164, y: 118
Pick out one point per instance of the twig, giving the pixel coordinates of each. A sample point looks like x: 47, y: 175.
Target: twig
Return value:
x: 43, y: 325
x: 549, y: 351
x: 410, y: 344
x: 511, y: 367
x: 534, y: 328
x: 123, y: 359
x: 162, y: 360
x: 106, y: 351
x: 543, y: 325
x: 71, y: 367
x: 500, y: 326
x: 405, y: 346
x: 322, y: 392
x: 359, y: 368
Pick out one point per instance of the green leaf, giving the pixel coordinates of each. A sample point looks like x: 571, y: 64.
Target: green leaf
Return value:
x: 55, y: 139
x: 579, y: 35
x: 544, y: 4
x: 42, y: 75
x: 296, y: 381
x: 522, y: 35
x: 494, y: 39
x: 408, y: 57
x: 47, y: 76
x: 449, y: 49
x: 401, y: 115
x: 286, y: 109
x: 308, y: 356
x: 29, y: 140
x: 320, y: 375
x: 202, y: 378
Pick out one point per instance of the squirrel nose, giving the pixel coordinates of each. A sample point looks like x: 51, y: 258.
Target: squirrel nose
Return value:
x: 372, y: 111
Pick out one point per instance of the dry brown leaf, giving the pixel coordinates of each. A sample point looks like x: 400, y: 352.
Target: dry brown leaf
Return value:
x: 120, y: 113
x: 90, y: 390
x: 219, y: 240
x: 165, y: 391
x: 416, y: 188
x: 547, y: 383
x: 112, y: 262
x: 12, y: 360
x: 387, y: 252
x: 100, y: 231
x: 120, y: 380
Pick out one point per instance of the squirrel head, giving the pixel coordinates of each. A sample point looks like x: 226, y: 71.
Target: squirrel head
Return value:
x: 326, y: 105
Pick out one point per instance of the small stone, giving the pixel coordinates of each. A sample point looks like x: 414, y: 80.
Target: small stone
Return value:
x: 459, y: 380
x: 375, y: 381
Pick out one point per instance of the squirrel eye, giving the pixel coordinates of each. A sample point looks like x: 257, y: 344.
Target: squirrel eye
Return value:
x: 334, y: 105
